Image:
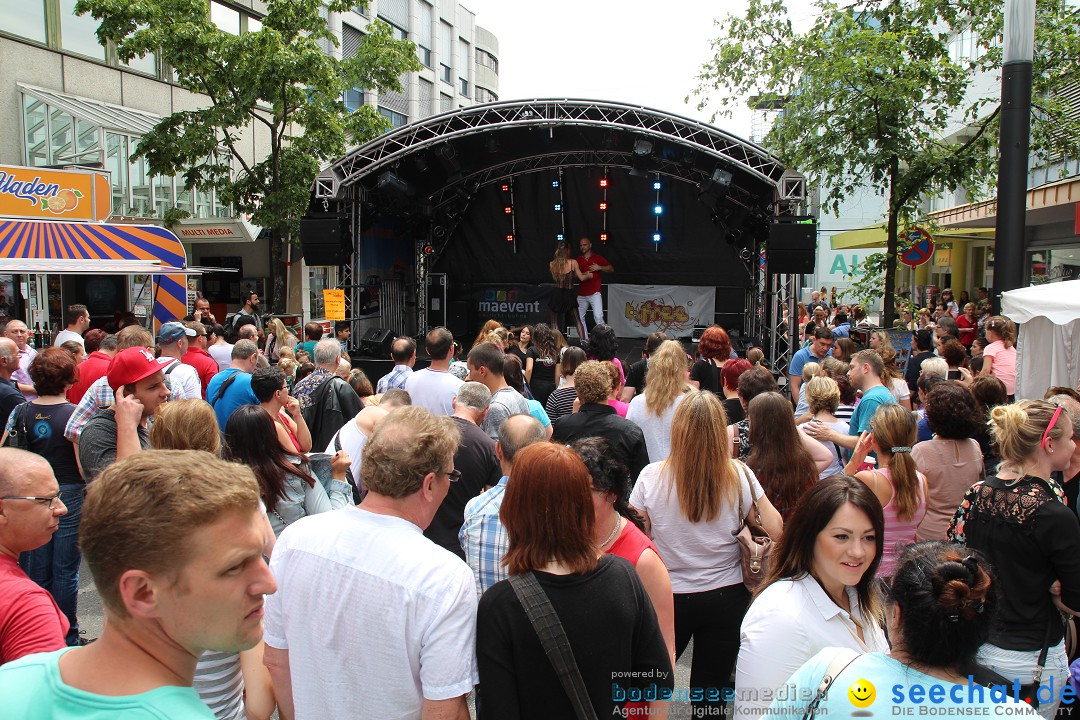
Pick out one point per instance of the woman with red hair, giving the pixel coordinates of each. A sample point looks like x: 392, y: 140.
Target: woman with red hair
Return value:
x: 714, y: 350
x: 607, y: 616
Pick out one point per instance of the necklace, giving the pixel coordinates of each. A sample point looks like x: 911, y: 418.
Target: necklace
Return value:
x: 614, y: 531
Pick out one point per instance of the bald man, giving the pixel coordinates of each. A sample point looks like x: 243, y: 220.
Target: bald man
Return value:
x: 30, y: 511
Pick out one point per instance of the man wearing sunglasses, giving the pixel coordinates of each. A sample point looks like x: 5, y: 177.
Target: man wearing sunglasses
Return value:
x: 367, y: 598
x: 30, y: 510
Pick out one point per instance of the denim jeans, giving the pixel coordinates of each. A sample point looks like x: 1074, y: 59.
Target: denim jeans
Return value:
x: 1020, y: 665
x: 55, y: 565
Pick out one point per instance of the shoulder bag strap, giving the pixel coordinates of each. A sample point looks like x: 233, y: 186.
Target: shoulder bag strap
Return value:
x: 556, y: 645
x: 838, y: 664
x: 223, y: 387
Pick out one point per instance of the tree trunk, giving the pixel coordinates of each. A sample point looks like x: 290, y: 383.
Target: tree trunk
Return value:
x: 889, y: 298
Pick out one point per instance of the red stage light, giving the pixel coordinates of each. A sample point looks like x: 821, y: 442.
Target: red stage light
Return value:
x: 603, y: 182
x: 603, y: 237
x: 428, y: 249
x: 506, y: 188
x: 509, y: 237
x: 603, y: 206
x: 508, y: 210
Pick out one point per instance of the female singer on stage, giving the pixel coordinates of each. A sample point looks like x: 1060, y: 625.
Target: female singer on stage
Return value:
x: 563, y: 300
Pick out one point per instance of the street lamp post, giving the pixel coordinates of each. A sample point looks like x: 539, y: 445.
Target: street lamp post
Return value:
x: 1018, y: 51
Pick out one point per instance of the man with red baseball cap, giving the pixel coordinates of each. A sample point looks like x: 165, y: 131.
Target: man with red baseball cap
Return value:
x: 119, y: 430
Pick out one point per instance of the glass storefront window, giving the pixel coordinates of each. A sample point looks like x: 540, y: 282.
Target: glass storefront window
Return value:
x: 202, y: 203
x: 140, y: 189
x: 61, y: 131
x: 87, y: 141
x: 78, y: 32
x: 163, y: 194
x: 37, y: 131
x: 1053, y: 264
x: 26, y: 19
x: 318, y: 280
x: 116, y: 161
x: 183, y: 194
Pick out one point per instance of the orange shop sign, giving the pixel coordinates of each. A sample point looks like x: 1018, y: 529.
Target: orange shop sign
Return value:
x: 44, y: 194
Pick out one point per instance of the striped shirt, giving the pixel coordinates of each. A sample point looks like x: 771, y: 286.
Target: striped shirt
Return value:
x: 484, y: 539
x: 220, y: 684
x: 561, y: 402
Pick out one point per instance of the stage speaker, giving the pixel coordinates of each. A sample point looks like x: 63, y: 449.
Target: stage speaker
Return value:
x: 376, y: 342
x: 791, y: 248
x: 325, y: 240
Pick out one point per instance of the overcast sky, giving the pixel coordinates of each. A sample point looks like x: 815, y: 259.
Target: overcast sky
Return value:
x: 642, y: 53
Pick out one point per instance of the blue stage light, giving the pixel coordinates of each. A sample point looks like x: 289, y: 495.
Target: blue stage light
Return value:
x: 656, y: 237
x: 559, y: 237
x: 658, y: 210
x: 656, y: 185
x: 555, y: 183
x: 558, y: 207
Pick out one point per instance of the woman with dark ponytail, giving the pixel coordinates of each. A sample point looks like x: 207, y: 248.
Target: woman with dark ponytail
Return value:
x: 939, y: 611
x: 620, y: 530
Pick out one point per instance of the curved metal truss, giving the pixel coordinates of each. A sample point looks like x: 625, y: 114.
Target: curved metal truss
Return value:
x: 392, y: 147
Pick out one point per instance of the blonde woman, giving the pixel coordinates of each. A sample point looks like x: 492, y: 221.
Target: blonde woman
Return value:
x: 896, y: 482
x: 999, y: 357
x: 693, y: 503
x: 665, y: 387
x: 278, y: 337
x: 563, y: 300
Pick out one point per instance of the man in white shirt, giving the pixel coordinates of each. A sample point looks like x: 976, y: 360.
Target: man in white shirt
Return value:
x: 182, y: 379
x: 434, y: 387
x: 78, y: 321
x: 372, y: 619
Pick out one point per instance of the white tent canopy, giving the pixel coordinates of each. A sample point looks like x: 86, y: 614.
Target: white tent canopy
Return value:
x: 1048, y: 352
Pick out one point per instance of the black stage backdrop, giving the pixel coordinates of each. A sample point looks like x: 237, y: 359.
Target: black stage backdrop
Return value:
x: 692, y: 250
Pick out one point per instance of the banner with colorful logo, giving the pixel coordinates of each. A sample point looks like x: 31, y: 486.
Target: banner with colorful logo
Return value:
x: 640, y: 310
x: 29, y: 192
x: 511, y: 304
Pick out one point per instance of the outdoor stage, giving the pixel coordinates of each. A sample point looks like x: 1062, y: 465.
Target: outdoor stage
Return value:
x: 453, y: 220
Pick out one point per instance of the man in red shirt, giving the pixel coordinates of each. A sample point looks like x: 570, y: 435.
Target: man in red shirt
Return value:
x: 30, y: 510
x: 591, y: 265
x: 92, y: 368
x: 197, y: 356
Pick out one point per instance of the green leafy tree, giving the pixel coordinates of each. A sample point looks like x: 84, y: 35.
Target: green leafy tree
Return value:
x: 276, y: 84
x: 870, y: 93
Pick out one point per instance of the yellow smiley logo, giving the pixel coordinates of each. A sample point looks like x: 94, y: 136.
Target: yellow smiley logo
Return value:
x: 862, y: 693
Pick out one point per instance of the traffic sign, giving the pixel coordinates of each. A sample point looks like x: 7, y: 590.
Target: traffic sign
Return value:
x: 921, y: 248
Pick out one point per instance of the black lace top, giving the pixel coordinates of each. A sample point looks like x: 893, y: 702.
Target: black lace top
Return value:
x: 1031, y: 539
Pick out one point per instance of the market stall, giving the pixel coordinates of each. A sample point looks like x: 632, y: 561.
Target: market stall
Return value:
x: 1048, y: 350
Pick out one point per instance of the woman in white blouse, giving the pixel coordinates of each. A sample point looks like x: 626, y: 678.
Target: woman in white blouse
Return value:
x: 820, y: 591
x: 691, y: 505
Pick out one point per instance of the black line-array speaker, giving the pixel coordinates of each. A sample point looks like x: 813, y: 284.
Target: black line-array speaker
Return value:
x: 325, y: 240
x: 376, y: 342
x: 791, y: 248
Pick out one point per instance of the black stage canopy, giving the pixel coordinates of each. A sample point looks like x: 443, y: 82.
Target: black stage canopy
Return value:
x: 484, y: 193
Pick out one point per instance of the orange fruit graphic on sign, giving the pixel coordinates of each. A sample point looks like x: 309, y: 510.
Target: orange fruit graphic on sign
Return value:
x: 65, y: 200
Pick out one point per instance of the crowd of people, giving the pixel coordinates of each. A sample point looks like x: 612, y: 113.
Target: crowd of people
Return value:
x: 543, y: 526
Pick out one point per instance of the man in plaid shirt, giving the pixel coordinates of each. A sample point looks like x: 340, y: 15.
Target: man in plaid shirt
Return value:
x: 403, y: 352
x: 482, y: 536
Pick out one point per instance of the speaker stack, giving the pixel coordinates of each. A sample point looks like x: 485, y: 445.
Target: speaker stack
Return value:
x: 376, y: 342
x: 791, y: 248
x: 326, y: 239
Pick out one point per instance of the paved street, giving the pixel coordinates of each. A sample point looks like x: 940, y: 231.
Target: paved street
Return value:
x: 91, y: 620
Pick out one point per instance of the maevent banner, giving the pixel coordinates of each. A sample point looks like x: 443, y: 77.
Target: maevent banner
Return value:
x: 640, y: 310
